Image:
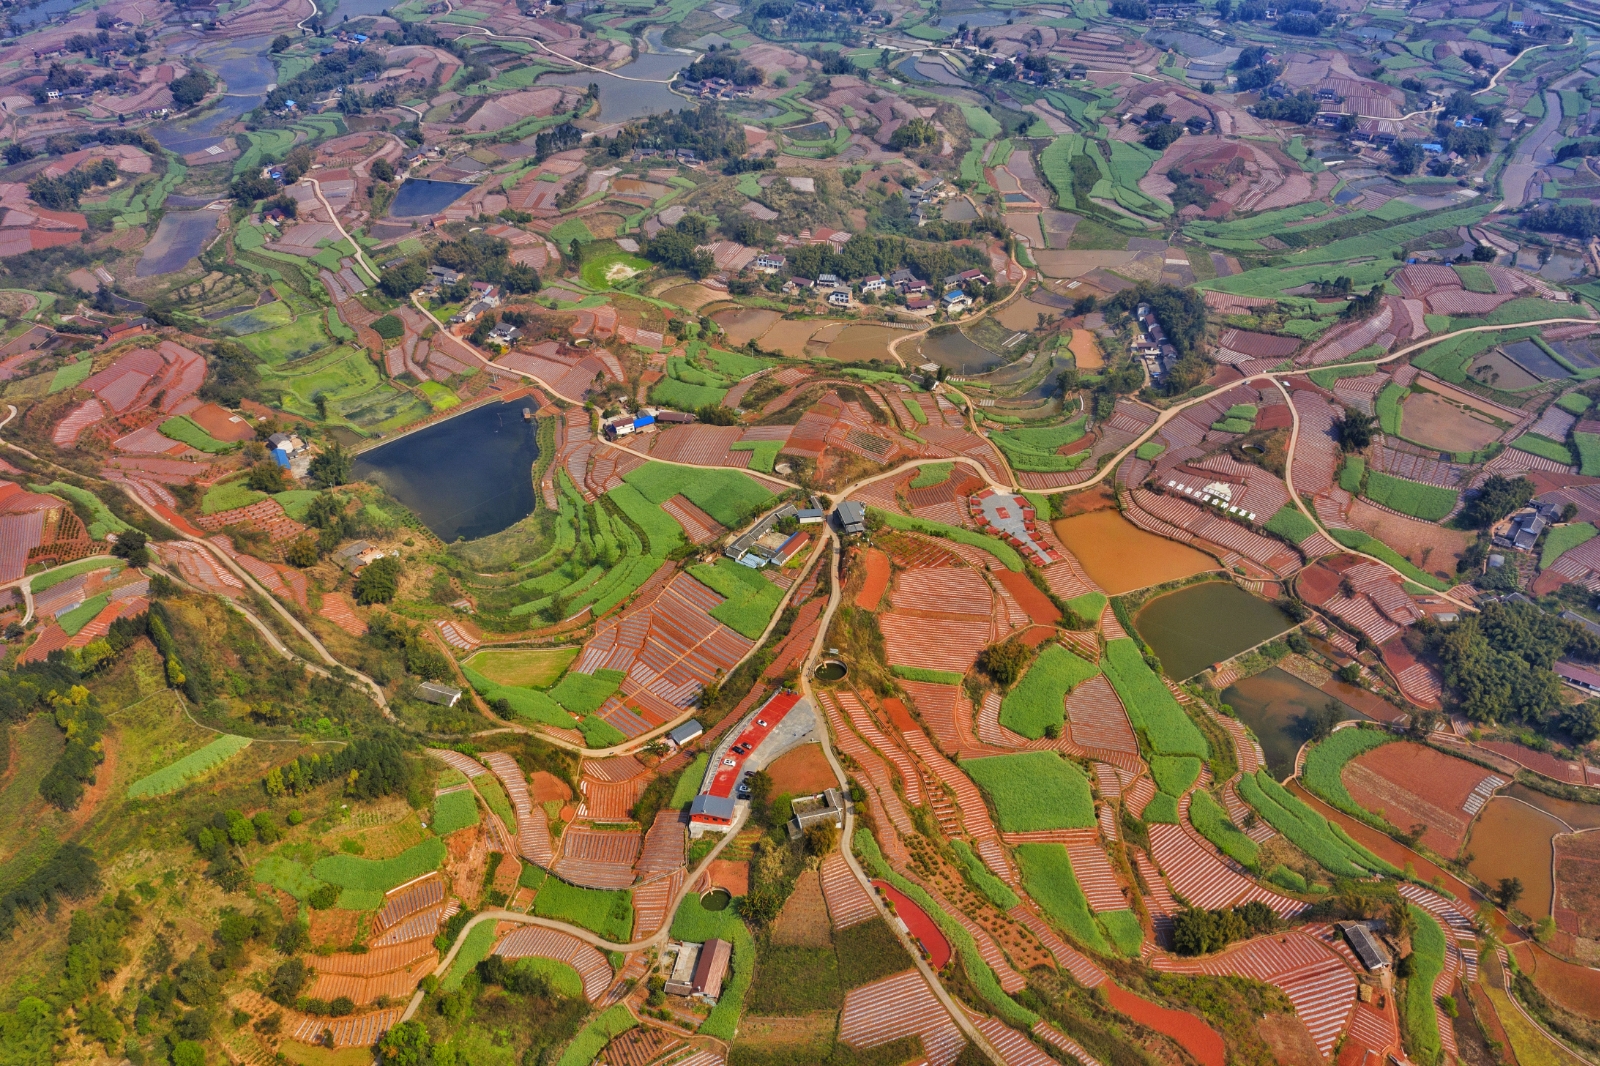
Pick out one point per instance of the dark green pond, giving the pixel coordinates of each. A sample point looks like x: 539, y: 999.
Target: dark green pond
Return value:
x: 1277, y: 706
x: 1199, y: 626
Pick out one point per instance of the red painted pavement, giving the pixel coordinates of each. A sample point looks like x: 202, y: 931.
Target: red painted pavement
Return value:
x: 773, y: 713
x: 920, y: 925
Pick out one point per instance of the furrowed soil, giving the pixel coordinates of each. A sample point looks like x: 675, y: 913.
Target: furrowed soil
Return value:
x: 1412, y: 785
x: 1429, y: 546
x: 1433, y: 422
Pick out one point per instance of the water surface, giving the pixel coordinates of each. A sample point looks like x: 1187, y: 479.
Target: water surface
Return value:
x: 1512, y: 839
x: 467, y: 476
x: 178, y: 240
x: 420, y: 196
x: 622, y: 100
x: 953, y: 349
x: 1121, y: 557
x: 1196, y: 627
x: 1277, y: 707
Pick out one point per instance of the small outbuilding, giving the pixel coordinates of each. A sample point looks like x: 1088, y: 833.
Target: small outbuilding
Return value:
x: 434, y: 692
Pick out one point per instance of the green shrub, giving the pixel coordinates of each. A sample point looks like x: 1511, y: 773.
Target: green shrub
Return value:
x: 1036, y: 702
x: 1034, y: 790
x: 389, y: 327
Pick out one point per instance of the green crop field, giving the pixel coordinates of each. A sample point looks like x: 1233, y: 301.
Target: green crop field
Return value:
x: 380, y: 875
x: 922, y: 673
x: 1575, y: 403
x: 993, y: 545
x: 688, y: 785
x: 1175, y: 774
x: 284, y: 873
x: 1325, y: 764
x: 1388, y: 408
x: 1474, y: 278
x: 1418, y: 1017
x: 584, y: 693
x: 764, y: 453
x: 1034, y: 790
x: 932, y: 474
x: 1290, y: 524
x: 184, y: 430
x: 1207, y: 816
x: 51, y: 578
x: 1588, y: 445
x: 606, y: 914
x: 174, y: 776
x: 728, y: 496
x: 1089, y: 606
x: 474, y: 949
x: 1124, y: 931
x: 660, y: 528
x: 72, y: 375
x: 1427, y: 502
x: 1306, y: 829
x: 1352, y: 473
x: 229, y: 496
x: 979, y: 121
x: 1048, y: 876
x: 1362, y: 542
x: 597, y: 272
x: 1150, y: 706
x: 1150, y: 450
x: 528, y: 667
x: 1534, y: 444
x: 1034, y: 449
x: 573, y: 229
x: 593, y: 1037
x: 750, y: 598
x: 74, y: 620
x: 1563, y: 539
x: 1036, y: 701
x: 453, y: 811
x: 296, y: 503
x: 525, y: 702
x: 101, y: 520
x: 286, y: 343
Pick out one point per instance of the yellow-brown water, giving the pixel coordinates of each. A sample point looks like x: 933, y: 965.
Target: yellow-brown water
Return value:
x: 1512, y: 839
x: 744, y: 323
x: 1121, y: 557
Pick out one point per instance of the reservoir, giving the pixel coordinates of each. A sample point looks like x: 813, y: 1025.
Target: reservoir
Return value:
x: 1193, y: 628
x: 1512, y: 839
x: 178, y: 240
x: 1120, y: 557
x: 467, y: 476
x: 623, y: 100
x: 419, y: 196
x: 952, y: 348
x: 1277, y: 706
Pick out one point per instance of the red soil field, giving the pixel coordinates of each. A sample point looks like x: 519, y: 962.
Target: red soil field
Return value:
x: 221, y: 424
x: 899, y: 717
x: 1576, y: 988
x: 921, y: 926
x: 1412, y: 784
x: 1027, y: 594
x: 802, y: 771
x: 732, y: 875
x: 1194, y: 1035
x: 876, y: 565
x: 545, y: 787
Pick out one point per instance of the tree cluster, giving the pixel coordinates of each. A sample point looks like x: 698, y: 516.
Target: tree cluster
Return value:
x: 705, y: 130
x: 61, y: 194
x: 1571, y: 220
x: 1497, y: 663
x: 370, y: 767
x: 327, y: 73
x: 913, y: 134
x: 730, y: 68
x: 1496, y: 498
x: 1300, y: 108
x: 190, y: 89
x: 74, y: 769
x: 1200, y: 932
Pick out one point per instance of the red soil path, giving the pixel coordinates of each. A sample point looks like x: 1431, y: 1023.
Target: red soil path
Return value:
x: 877, y: 582
x: 921, y: 926
x: 1028, y: 596
x: 1194, y: 1035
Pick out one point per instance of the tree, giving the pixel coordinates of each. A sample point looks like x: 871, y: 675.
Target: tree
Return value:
x: 714, y: 414
x: 1484, y: 253
x: 379, y: 581
x: 190, y: 89
x: 1322, y: 721
x: 267, y: 476
x: 1353, y: 429
x: 382, y: 169
x: 1005, y: 662
x: 302, y: 552
x: 403, y: 279
x: 332, y: 467
x: 406, y: 1044
x: 188, y: 1053
x: 1508, y: 891
x: 1498, y: 497
x: 131, y: 545
x: 280, y: 43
